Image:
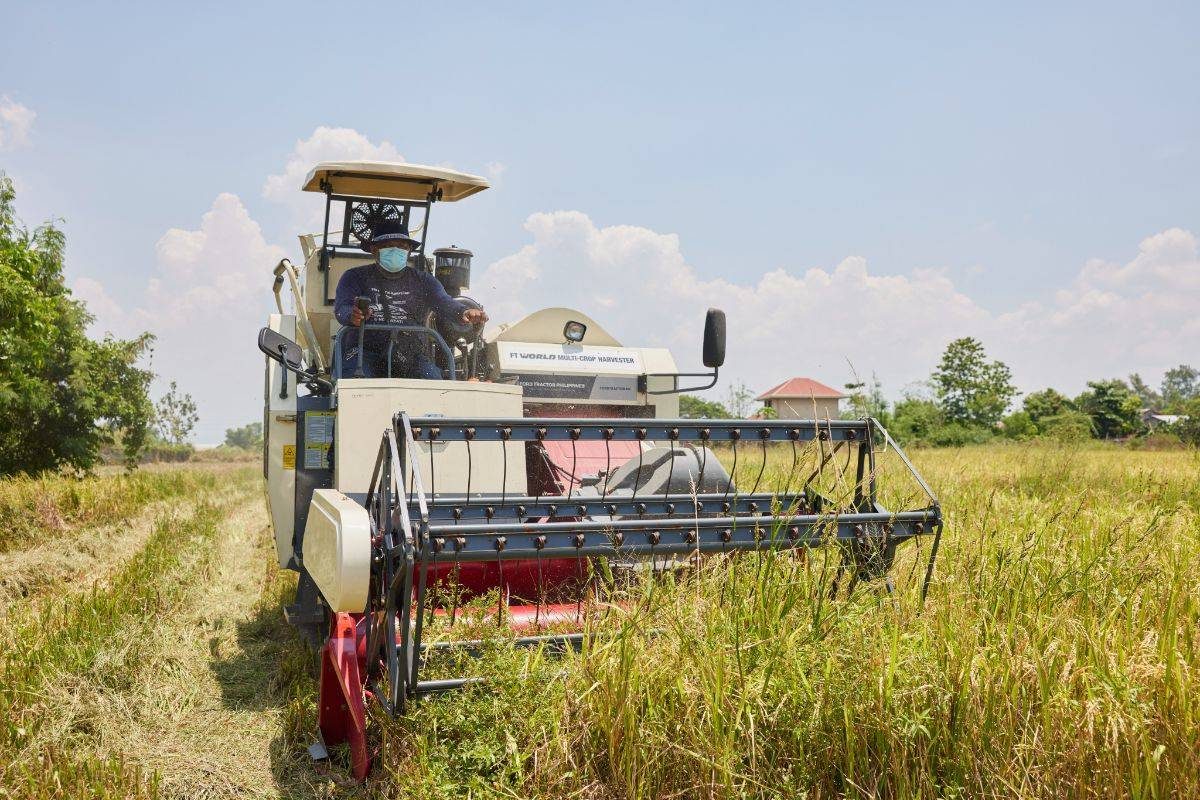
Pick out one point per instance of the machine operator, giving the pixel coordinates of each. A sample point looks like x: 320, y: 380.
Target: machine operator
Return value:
x: 397, y: 293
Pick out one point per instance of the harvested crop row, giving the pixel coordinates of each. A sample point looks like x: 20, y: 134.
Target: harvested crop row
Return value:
x: 33, y: 509
x: 96, y: 639
x: 76, y: 559
x: 204, y: 710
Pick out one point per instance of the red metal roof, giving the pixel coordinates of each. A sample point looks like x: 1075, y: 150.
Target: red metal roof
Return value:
x: 803, y: 388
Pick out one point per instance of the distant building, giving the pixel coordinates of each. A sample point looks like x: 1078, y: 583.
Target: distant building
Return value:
x: 803, y: 398
x: 1154, y: 420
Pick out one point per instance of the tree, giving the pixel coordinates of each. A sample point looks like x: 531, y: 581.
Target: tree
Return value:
x: 1180, y: 385
x: 62, y: 395
x: 918, y: 421
x: 915, y: 420
x: 739, y: 400
x: 692, y: 407
x: 175, y: 415
x: 1112, y: 407
x: 867, y: 400
x: 1046, y: 403
x: 1149, y: 397
x: 250, y: 437
x: 1188, y: 429
x: 971, y: 390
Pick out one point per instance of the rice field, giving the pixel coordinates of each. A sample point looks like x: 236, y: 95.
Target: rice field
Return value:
x: 1056, y: 656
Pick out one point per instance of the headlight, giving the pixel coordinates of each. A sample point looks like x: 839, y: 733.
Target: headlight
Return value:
x: 574, y: 331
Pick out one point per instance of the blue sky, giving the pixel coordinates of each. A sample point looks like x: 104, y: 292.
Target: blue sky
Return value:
x: 962, y: 166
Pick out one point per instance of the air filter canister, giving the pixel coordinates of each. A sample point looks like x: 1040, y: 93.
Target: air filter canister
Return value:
x: 452, y: 267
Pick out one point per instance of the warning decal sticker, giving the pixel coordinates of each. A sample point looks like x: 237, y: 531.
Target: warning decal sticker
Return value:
x: 318, y: 438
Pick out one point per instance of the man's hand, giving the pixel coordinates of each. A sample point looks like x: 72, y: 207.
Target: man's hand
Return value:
x: 474, y: 316
x: 357, y: 317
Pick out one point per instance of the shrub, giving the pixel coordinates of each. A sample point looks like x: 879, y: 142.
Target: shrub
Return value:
x: 249, y: 437
x: 1069, y: 426
x: 915, y: 419
x: 956, y: 434
x: 167, y: 452
x: 1161, y: 440
x: 225, y: 454
x: 1019, y: 425
x: 918, y: 422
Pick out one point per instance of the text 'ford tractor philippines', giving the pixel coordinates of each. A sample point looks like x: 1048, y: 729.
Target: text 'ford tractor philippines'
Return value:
x: 547, y: 451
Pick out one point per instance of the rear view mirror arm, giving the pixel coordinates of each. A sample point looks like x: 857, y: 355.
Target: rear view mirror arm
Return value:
x: 316, y: 384
x: 712, y: 376
x: 309, y: 377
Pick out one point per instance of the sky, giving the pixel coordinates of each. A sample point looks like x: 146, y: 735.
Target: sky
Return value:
x: 855, y: 185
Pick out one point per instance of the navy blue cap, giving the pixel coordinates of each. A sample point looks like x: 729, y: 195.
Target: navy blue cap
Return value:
x: 388, y: 230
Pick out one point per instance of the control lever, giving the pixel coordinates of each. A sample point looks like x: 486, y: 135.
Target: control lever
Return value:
x: 363, y: 304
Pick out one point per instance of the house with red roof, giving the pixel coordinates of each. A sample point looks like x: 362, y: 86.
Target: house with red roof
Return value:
x: 803, y: 398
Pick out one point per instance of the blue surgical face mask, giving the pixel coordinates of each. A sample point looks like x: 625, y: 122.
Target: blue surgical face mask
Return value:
x: 393, y: 259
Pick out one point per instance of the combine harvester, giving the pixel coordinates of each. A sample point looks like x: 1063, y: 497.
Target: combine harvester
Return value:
x: 548, y: 447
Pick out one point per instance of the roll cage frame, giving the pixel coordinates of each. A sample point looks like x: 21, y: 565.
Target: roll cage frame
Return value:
x: 406, y: 211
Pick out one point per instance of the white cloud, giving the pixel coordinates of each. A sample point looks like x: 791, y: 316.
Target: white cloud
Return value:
x: 494, y: 170
x: 325, y: 144
x: 16, y: 121
x: 1116, y: 318
x: 108, y: 314
x: 208, y: 296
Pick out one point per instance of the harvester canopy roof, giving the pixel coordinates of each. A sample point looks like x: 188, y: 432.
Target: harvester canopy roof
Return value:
x: 392, y: 180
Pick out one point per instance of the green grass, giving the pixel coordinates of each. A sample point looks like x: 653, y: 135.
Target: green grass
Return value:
x: 1058, y: 656
x: 33, y: 508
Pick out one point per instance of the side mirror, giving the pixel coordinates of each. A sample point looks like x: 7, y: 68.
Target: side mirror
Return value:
x: 714, y: 358
x: 714, y: 338
x: 282, y: 349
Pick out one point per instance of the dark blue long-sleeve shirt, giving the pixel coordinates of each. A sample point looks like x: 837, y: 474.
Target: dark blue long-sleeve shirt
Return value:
x: 403, y: 298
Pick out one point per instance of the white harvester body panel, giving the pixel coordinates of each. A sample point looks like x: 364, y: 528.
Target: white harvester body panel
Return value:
x: 337, y: 549
x: 597, y: 371
x: 366, y: 407
x: 279, y: 443
x: 546, y: 325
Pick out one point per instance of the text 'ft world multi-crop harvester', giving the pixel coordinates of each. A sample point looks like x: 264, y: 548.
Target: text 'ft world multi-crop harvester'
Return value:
x: 548, y: 453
